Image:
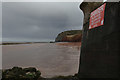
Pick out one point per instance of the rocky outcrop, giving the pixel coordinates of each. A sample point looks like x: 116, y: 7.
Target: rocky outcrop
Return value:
x: 69, y: 36
x: 18, y: 73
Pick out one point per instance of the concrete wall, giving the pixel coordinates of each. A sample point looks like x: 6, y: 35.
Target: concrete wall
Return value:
x: 100, y: 51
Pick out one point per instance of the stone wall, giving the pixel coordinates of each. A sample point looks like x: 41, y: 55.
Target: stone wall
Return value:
x: 100, y: 50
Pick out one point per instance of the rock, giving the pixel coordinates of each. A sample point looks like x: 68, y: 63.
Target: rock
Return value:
x: 87, y: 7
x: 18, y: 73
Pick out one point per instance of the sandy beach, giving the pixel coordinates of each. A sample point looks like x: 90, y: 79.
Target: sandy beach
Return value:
x: 51, y: 59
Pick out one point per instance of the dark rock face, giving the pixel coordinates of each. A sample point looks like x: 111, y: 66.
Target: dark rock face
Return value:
x: 100, y: 50
x: 69, y: 36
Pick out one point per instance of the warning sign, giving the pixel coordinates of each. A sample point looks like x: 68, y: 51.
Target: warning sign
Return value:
x: 97, y: 17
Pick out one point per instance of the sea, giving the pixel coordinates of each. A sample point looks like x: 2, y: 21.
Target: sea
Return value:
x: 52, y: 59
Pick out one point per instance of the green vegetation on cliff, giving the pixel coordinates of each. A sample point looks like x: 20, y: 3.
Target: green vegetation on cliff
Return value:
x: 69, y: 36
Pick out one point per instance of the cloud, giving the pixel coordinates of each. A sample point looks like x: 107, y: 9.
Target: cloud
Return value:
x: 39, y: 20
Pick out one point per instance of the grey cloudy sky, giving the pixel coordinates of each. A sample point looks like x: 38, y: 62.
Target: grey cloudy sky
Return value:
x: 39, y: 21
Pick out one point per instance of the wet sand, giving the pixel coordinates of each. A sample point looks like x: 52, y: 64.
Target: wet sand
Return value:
x: 51, y: 59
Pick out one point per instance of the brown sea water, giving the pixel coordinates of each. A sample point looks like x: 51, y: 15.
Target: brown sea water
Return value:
x: 51, y: 59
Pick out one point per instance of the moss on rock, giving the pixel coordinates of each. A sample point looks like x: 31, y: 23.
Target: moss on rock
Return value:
x: 18, y: 73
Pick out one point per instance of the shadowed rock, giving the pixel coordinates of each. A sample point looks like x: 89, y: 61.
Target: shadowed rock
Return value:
x: 18, y: 73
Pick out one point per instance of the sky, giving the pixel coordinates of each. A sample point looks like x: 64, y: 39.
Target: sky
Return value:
x: 39, y: 21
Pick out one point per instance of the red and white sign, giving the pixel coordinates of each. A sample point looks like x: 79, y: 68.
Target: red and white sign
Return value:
x: 97, y: 17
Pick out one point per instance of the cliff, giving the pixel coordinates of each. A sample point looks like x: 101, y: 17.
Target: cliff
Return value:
x: 69, y: 36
